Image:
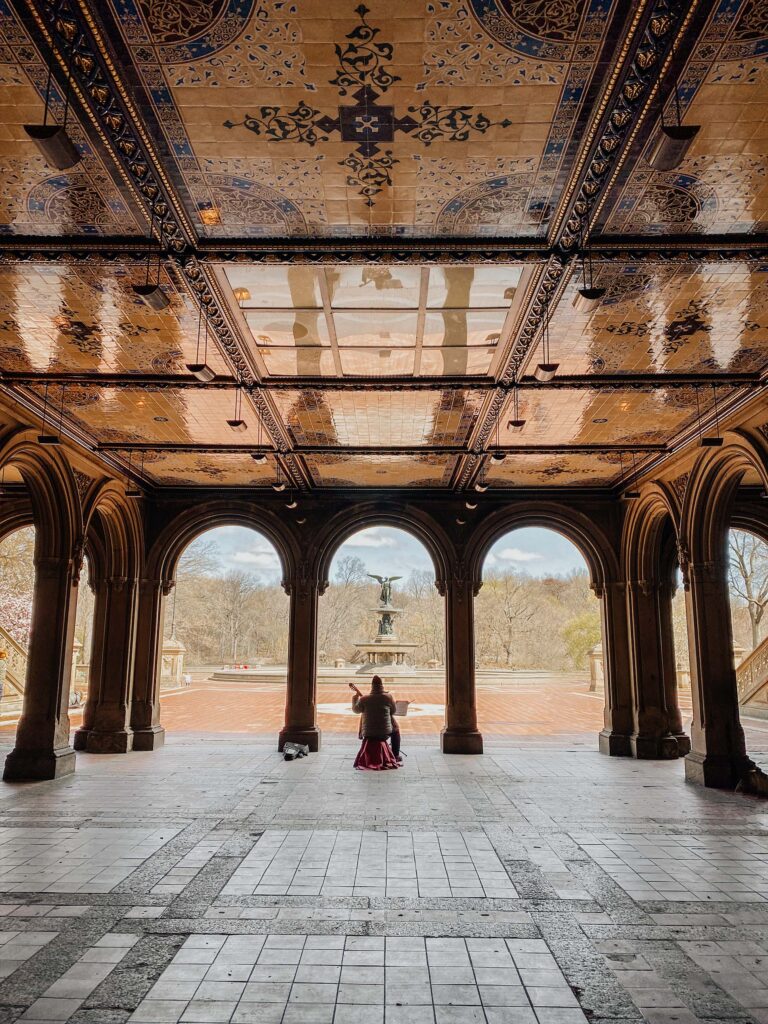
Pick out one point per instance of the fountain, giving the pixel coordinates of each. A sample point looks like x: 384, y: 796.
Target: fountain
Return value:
x: 385, y: 653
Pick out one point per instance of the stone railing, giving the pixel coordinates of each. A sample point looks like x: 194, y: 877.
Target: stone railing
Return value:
x: 752, y: 673
x: 16, y: 672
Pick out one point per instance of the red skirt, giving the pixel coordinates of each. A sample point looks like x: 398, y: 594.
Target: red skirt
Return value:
x: 375, y: 756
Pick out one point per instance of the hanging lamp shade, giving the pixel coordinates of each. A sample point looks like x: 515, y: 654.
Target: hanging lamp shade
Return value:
x: 48, y: 439
x: 481, y: 488
x: 132, y: 491
x: 586, y: 300
x: 516, y: 425
x: 259, y: 458
x: 671, y: 145
x: 711, y: 442
x: 237, y: 425
x: 54, y: 144
x: 498, y: 456
x: 278, y: 486
x: 151, y: 294
x: 630, y: 495
x: 545, y: 371
x: 202, y: 371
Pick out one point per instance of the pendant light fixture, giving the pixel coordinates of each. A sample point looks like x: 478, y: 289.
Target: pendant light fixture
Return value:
x: 259, y: 457
x: 292, y: 502
x: 481, y: 484
x: 279, y: 484
x: 516, y: 423
x: 150, y: 292
x: 132, y: 490
x: 587, y: 298
x: 237, y: 422
x: 627, y: 495
x: 470, y: 505
x: 498, y: 455
x: 199, y: 369
x: 673, y: 141
x: 711, y: 440
x: 546, y: 369
x: 50, y: 439
x: 55, y: 145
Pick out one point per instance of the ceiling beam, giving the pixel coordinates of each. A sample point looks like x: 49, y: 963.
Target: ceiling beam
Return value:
x: 410, y: 251
x: 172, y: 447
x: 594, y: 381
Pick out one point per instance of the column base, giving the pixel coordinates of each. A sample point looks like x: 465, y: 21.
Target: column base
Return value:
x: 94, y: 742
x: 291, y: 734
x: 150, y: 738
x: 716, y: 772
x: 683, y: 743
x: 455, y: 742
x: 654, y: 748
x: 614, y: 744
x: 38, y: 765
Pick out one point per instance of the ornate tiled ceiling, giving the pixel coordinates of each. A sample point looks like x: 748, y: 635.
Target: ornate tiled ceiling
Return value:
x: 374, y: 216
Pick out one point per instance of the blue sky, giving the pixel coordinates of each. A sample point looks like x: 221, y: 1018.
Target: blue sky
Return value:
x: 390, y: 552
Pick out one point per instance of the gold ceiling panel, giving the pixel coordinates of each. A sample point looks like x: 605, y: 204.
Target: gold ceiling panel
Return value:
x: 371, y: 418
x: 722, y: 184
x: 381, y: 470
x: 86, y: 319
x: 573, y: 416
x: 564, y: 469
x: 182, y: 469
x: 447, y: 119
x: 156, y: 415
x: 665, y: 317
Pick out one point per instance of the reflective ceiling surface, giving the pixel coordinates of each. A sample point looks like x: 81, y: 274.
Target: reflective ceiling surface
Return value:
x: 369, y: 222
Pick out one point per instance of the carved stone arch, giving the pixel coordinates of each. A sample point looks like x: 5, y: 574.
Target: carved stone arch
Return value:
x: 714, y: 480
x: 121, y: 525
x: 643, y: 532
x: 16, y: 514
x: 166, y: 549
x: 419, y: 524
x: 591, y: 540
x: 52, y: 493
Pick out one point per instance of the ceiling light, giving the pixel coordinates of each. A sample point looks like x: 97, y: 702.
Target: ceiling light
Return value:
x: 210, y: 216
x: 545, y: 371
x: 516, y: 425
x: 259, y: 458
x: 238, y: 425
x: 672, y: 143
x: 202, y: 371
x: 241, y: 295
x: 55, y: 145
x: 586, y: 300
x: 151, y: 294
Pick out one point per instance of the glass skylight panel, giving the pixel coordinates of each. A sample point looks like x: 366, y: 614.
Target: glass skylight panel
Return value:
x: 374, y: 287
x: 264, y: 287
x: 472, y: 287
x: 464, y: 327
x: 369, y: 329
x: 281, y: 329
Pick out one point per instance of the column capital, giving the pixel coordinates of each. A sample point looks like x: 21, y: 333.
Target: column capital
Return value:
x: 302, y: 581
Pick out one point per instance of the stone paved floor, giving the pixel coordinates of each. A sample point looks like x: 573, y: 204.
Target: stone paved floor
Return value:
x: 541, y: 883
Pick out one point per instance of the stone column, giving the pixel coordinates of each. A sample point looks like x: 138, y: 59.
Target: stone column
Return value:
x: 460, y: 734
x: 106, y: 716
x: 718, y: 754
x: 614, y: 738
x: 300, y: 698
x: 42, y: 749
x: 148, y: 734
x: 651, y: 737
x: 669, y: 669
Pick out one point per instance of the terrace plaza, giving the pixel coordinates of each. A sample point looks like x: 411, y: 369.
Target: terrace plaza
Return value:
x: 451, y: 266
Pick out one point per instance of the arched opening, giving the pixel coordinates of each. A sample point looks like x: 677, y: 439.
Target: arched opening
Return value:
x: 538, y: 651
x: 17, y: 590
x: 748, y: 592
x: 381, y: 614
x: 222, y: 666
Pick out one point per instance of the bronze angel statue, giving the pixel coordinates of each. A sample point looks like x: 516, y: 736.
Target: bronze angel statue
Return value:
x: 385, y: 597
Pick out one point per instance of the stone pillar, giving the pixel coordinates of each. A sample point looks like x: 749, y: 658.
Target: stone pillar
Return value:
x: 106, y: 716
x: 42, y: 749
x: 614, y: 738
x: 651, y: 737
x: 300, y: 698
x: 669, y: 669
x: 460, y: 734
x: 718, y: 754
x: 148, y: 734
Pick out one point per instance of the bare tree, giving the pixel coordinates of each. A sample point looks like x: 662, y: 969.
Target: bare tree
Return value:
x: 748, y: 575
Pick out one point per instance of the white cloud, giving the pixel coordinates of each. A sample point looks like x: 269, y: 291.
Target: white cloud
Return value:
x: 260, y: 559
x: 371, y: 539
x: 518, y: 555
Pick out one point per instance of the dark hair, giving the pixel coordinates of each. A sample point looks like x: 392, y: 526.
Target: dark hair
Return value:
x: 377, y: 686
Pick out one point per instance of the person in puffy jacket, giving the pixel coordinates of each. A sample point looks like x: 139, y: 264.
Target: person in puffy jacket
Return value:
x: 378, y: 726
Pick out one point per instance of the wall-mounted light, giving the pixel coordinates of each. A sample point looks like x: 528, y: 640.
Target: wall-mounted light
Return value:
x: 673, y: 141
x: 55, y: 145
